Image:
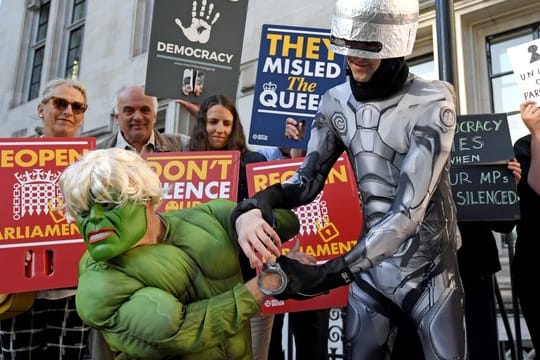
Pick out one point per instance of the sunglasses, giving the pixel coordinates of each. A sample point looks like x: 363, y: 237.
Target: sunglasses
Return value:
x: 61, y: 104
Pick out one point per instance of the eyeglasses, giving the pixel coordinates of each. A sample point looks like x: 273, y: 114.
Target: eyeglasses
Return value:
x: 61, y: 104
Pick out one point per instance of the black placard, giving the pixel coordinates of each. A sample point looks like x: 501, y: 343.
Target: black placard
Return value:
x: 483, y: 187
x: 484, y: 192
x: 482, y: 139
x: 195, y: 48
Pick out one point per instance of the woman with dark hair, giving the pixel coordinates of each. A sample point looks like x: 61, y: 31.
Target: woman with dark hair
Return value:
x: 219, y: 127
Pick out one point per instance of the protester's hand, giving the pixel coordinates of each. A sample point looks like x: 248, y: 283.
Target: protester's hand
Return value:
x: 198, y: 90
x: 199, y: 83
x: 530, y: 114
x: 308, y: 281
x: 27, y: 260
x: 27, y: 257
x: 291, y: 129
x: 257, y: 238
x: 201, y: 22
x: 192, y: 108
x: 515, y: 167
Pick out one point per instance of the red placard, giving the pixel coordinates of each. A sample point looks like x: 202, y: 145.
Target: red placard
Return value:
x: 193, y: 178
x: 31, y: 222
x: 329, y: 225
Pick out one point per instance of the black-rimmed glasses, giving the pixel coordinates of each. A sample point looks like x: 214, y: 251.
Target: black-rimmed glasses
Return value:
x: 61, y: 104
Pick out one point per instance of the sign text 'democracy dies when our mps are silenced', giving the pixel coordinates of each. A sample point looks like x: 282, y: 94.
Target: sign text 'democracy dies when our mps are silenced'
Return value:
x: 482, y: 185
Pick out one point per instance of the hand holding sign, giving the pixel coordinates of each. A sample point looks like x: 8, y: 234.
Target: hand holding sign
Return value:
x: 530, y: 113
x: 515, y: 168
x: 192, y: 108
x: 200, y: 28
x: 295, y: 129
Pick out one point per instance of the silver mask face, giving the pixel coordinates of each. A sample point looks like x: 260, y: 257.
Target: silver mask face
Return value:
x: 375, y: 29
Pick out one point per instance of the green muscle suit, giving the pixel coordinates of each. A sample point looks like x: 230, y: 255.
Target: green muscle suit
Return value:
x: 183, y: 298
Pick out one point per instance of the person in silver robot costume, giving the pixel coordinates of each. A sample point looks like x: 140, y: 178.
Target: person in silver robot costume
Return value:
x: 398, y: 131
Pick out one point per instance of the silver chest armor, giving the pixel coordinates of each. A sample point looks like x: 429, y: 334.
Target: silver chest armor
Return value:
x: 399, y: 150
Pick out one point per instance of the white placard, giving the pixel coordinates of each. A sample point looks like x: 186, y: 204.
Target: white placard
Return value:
x: 525, y: 59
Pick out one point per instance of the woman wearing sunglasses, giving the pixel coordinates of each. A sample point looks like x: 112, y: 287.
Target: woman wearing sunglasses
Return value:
x: 62, y: 108
x: 51, y: 328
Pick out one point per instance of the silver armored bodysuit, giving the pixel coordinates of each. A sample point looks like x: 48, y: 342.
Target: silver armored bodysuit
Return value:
x: 406, y: 255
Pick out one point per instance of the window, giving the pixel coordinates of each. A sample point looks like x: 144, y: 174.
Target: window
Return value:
x: 505, y: 98
x: 423, y: 66
x: 38, y: 50
x: 76, y: 33
x: 161, y: 117
x: 141, y: 23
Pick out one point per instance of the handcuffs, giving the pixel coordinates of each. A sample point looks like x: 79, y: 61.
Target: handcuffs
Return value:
x: 272, y: 268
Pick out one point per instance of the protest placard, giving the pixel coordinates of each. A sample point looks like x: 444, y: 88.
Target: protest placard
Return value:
x: 195, y: 48
x: 482, y: 186
x: 525, y: 59
x: 32, y: 223
x: 295, y: 68
x: 329, y: 225
x: 193, y: 178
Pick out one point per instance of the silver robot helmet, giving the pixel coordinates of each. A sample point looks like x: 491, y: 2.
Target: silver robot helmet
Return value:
x: 375, y: 29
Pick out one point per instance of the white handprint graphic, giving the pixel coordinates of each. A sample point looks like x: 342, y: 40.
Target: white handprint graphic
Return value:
x: 201, y: 26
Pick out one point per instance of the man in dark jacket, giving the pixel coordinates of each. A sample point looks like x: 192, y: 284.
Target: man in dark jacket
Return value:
x: 136, y: 114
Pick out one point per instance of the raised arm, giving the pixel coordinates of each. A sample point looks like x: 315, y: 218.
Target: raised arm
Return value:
x: 429, y: 141
x: 253, y: 218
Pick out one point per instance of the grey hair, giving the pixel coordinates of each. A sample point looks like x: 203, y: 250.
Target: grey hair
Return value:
x: 53, y: 84
x: 121, y: 90
x: 108, y: 176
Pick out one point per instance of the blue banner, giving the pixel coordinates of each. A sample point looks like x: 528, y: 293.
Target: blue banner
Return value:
x: 296, y: 67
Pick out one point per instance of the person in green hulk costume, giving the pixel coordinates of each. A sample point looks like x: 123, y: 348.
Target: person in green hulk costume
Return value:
x: 160, y: 286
